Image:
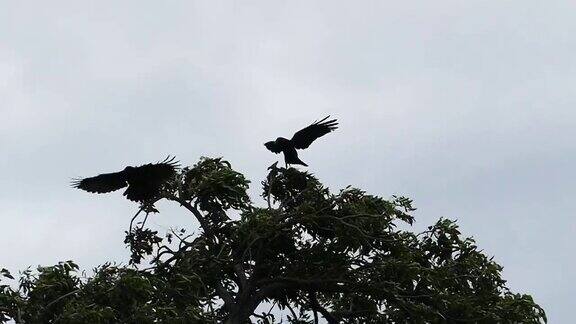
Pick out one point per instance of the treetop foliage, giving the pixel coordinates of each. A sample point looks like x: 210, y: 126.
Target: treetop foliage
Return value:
x: 305, y: 253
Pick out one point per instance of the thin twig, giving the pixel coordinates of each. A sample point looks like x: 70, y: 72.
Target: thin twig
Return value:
x: 62, y: 297
x: 144, y: 222
x: 134, y: 217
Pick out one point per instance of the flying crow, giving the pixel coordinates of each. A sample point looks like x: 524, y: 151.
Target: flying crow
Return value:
x: 144, y: 182
x: 301, y: 140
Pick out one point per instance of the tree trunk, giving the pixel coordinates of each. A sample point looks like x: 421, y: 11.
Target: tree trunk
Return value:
x: 241, y: 312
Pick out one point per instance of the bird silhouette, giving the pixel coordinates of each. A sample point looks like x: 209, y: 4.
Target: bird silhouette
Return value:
x: 301, y: 140
x: 144, y: 182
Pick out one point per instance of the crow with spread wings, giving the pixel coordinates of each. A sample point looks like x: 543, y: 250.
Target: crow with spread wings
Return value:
x: 301, y: 140
x: 144, y: 182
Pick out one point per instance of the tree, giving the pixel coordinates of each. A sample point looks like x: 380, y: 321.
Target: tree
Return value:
x: 307, y: 253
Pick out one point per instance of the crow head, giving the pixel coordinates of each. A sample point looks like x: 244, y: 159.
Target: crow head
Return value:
x: 273, y: 146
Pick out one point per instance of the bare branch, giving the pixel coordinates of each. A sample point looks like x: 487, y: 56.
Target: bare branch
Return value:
x: 199, y: 217
x: 317, y: 307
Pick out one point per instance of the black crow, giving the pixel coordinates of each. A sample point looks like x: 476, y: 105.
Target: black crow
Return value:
x: 144, y: 182
x: 301, y: 140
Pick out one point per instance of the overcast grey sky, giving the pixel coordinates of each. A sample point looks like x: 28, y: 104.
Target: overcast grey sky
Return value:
x: 466, y: 106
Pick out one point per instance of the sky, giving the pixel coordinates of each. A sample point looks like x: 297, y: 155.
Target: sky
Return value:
x: 465, y: 106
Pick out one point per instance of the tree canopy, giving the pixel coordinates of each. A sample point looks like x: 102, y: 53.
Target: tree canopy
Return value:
x: 302, y: 255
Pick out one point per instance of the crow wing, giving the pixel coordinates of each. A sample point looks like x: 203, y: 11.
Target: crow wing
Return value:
x: 304, y: 137
x: 146, y: 181
x: 154, y: 172
x: 106, y: 182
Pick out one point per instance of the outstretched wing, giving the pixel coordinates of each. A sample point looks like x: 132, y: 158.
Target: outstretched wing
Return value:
x: 304, y: 137
x: 106, y: 182
x: 153, y: 173
x: 146, y: 181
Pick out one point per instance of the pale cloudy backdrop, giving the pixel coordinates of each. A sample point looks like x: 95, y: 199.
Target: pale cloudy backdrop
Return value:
x: 466, y: 106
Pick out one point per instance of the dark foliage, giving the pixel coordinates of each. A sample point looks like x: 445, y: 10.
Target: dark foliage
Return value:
x: 307, y: 254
